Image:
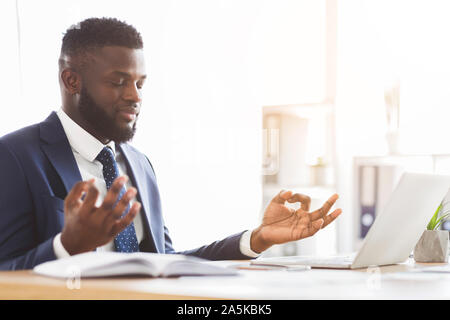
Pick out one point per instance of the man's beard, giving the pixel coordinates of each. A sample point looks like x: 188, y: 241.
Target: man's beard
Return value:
x: 103, y: 123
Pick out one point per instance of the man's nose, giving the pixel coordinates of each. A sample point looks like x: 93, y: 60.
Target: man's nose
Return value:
x: 132, y: 93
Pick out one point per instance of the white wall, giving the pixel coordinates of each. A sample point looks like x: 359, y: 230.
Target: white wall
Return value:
x: 379, y: 43
x: 202, y: 124
x: 9, y: 64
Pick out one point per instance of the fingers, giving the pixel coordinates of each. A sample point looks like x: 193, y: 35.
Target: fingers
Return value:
x: 89, y: 226
x: 122, y: 205
x: 281, y: 197
x: 284, y: 196
x: 331, y: 217
x: 91, y: 197
x: 113, y: 194
x: 112, y: 207
x: 121, y: 224
x: 304, y: 200
x: 312, y: 228
x: 306, y: 229
x: 321, y: 212
x: 73, y: 198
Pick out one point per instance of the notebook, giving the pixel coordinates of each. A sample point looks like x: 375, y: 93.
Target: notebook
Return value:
x: 395, y: 230
x: 108, y: 264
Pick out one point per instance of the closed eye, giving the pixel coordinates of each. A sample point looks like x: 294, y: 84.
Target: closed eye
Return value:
x: 117, y: 84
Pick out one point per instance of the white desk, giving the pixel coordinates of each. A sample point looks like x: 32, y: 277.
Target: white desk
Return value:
x: 389, y: 282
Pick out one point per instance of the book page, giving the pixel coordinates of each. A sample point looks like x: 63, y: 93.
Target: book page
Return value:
x: 102, y: 264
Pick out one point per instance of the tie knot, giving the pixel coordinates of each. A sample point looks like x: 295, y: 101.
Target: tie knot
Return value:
x: 106, y: 156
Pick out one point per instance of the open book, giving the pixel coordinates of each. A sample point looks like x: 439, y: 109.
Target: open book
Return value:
x: 106, y: 264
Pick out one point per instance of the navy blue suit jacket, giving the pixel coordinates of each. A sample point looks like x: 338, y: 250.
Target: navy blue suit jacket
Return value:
x: 38, y: 169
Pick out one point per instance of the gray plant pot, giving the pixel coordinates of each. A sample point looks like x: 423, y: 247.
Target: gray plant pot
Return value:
x: 432, y: 246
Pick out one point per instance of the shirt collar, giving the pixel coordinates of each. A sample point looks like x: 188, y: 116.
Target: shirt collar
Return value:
x: 80, y: 140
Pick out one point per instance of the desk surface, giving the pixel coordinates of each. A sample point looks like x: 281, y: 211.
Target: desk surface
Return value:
x: 388, y: 282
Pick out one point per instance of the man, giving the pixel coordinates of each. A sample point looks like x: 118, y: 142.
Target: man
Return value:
x: 69, y: 183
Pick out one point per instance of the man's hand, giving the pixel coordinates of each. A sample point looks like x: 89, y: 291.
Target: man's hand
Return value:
x: 86, y: 226
x: 281, y: 224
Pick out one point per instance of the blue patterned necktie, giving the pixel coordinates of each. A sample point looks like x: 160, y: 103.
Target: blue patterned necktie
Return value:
x: 126, y: 241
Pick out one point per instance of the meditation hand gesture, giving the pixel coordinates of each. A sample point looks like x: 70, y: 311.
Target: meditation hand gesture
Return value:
x: 87, y: 226
x: 281, y: 224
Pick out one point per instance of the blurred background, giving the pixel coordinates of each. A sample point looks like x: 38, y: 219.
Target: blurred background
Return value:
x: 245, y: 98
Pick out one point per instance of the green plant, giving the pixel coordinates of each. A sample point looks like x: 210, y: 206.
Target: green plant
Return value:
x: 436, y: 221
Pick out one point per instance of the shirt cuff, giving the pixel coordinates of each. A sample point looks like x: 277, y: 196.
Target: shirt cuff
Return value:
x: 60, y: 251
x: 244, y: 245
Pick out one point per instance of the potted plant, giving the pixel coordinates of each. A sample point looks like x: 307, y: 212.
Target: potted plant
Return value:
x: 433, y: 244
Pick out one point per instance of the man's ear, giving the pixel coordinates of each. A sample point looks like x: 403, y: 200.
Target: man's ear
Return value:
x: 71, y: 80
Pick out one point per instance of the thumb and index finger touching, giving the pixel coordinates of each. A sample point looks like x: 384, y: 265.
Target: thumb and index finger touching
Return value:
x: 85, y: 193
x: 287, y: 195
x: 305, y: 201
x: 79, y: 190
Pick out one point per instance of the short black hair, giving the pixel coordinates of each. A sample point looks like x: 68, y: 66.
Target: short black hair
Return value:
x: 95, y: 33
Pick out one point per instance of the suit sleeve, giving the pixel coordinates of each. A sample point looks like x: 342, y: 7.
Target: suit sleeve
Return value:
x: 225, y: 249
x: 19, y: 248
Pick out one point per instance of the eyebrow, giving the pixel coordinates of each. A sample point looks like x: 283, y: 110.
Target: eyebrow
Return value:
x: 125, y: 74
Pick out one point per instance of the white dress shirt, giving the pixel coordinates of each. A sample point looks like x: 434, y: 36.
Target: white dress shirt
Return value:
x: 85, y: 148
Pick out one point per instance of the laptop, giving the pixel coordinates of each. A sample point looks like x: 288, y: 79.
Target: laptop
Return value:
x: 395, y: 231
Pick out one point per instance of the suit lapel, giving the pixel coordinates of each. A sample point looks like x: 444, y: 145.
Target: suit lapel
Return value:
x: 57, y: 148
x: 135, y: 172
